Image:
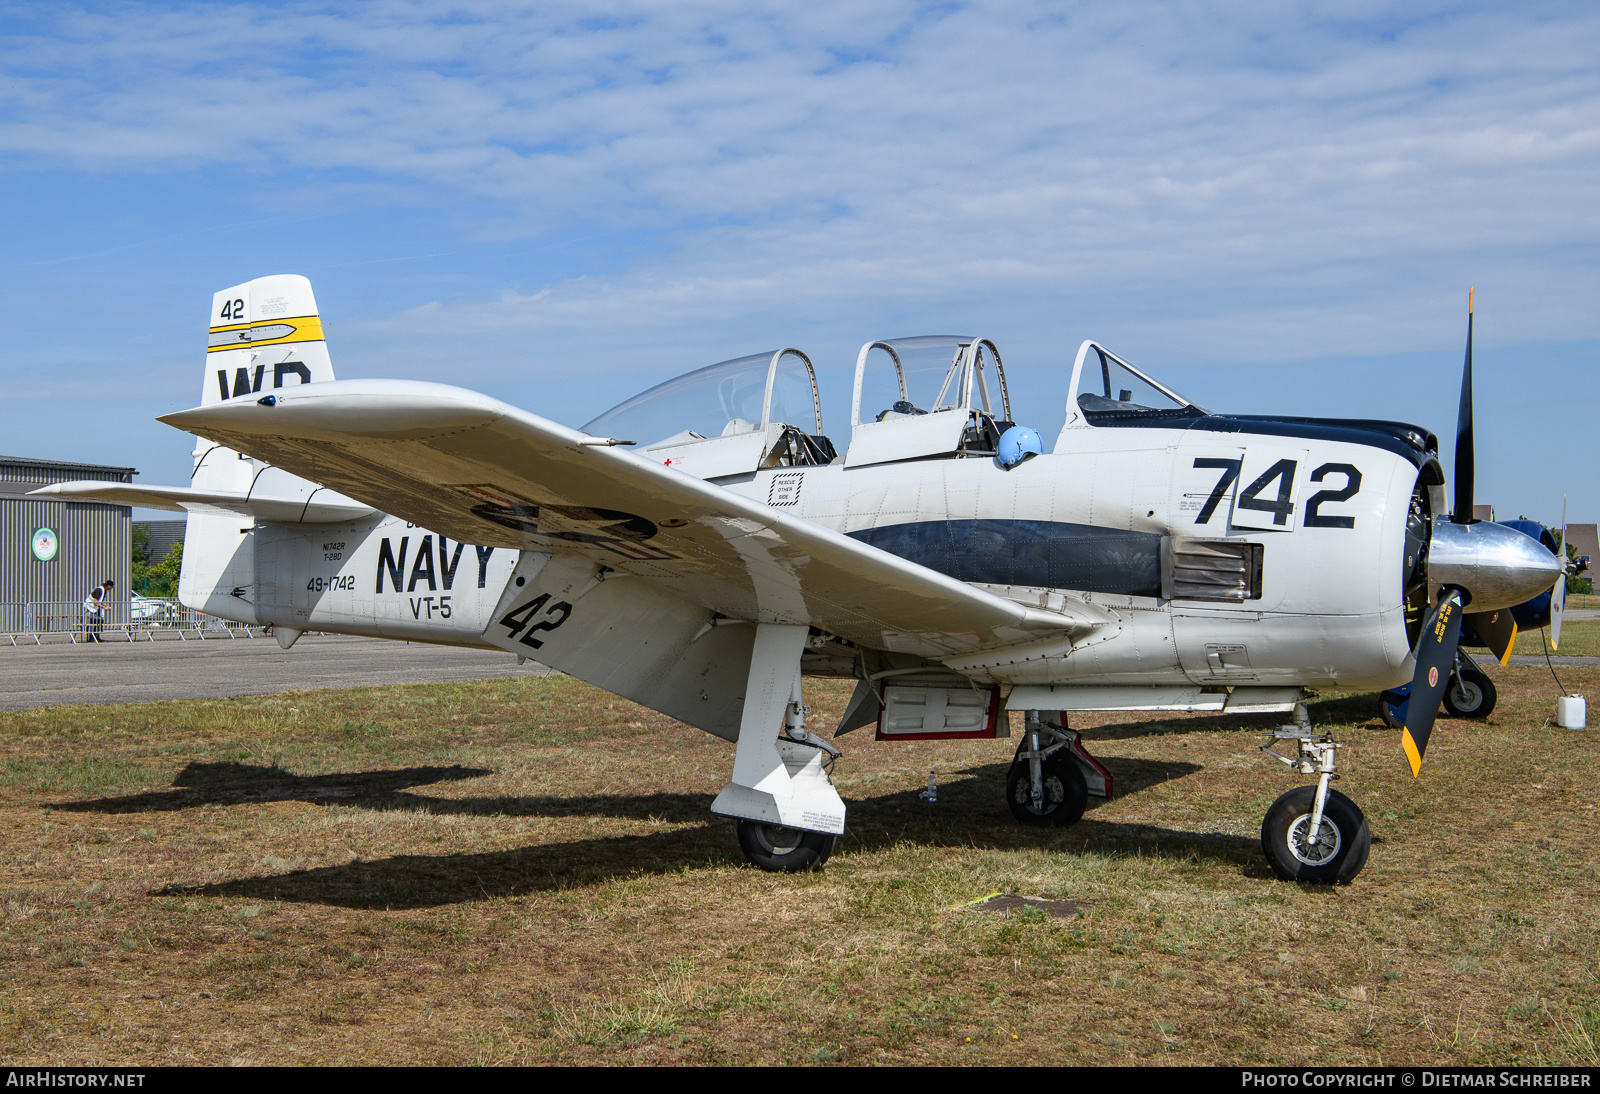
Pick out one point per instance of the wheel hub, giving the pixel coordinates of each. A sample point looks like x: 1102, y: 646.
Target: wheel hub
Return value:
x: 1054, y: 795
x: 1314, y: 850
x: 779, y: 840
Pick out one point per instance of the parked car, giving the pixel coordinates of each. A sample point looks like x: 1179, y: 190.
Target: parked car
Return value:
x: 147, y: 608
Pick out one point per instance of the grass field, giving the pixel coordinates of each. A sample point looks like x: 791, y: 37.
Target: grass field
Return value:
x: 1578, y: 639
x: 525, y: 872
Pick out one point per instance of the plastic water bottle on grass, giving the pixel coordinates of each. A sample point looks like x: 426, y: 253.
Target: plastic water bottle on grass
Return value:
x: 932, y: 793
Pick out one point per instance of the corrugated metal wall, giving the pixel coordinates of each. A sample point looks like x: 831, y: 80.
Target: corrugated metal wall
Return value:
x: 163, y: 534
x: 94, y: 539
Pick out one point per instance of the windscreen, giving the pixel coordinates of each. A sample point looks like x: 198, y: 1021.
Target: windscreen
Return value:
x: 717, y: 401
x: 1108, y: 385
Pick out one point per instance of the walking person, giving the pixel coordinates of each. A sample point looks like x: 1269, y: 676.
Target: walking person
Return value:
x: 94, y: 610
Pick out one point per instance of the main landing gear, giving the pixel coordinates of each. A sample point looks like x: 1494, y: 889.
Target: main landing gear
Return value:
x: 1313, y: 833
x: 789, y: 815
x: 1470, y: 694
x: 1045, y: 784
x: 784, y: 850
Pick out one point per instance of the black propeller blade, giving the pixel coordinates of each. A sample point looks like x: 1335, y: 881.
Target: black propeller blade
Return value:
x: 1436, y: 655
x: 1436, y: 649
x: 1464, y: 464
x: 1496, y: 629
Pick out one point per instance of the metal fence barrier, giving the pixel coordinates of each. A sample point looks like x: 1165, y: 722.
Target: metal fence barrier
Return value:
x: 143, y: 620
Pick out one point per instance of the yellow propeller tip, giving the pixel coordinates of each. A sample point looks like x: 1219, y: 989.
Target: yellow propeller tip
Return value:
x: 1411, y: 752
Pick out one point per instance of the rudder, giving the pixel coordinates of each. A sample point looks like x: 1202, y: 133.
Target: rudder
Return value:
x: 264, y: 334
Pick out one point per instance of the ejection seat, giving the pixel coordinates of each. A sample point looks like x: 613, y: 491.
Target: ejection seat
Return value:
x: 733, y: 418
x: 889, y: 426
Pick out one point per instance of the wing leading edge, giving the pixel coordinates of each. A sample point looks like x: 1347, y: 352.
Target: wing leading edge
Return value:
x: 485, y: 472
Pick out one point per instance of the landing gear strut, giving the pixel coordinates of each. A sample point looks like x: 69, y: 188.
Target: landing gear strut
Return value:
x: 1313, y: 833
x: 1045, y: 785
x: 788, y: 811
x: 1471, y: 693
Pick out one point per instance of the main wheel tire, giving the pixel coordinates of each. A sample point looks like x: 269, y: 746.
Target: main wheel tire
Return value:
x: 784, y: 850
x: 1471, y: 694
x: 1390, y: 704
x: 1336, y: 858
x: 1066, y: 795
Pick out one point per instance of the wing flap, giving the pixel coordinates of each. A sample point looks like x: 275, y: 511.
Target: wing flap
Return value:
x: 485, y: 472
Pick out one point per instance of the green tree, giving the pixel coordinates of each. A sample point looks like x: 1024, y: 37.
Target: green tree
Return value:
x: 160, y: 579
x: 141, y: 545
x: 1583, y: 584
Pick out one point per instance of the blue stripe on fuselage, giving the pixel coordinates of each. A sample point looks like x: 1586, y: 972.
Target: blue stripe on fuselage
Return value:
x: 1038, y: 553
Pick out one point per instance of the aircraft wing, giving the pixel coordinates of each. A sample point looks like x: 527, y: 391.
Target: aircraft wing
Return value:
x: 481, y: 471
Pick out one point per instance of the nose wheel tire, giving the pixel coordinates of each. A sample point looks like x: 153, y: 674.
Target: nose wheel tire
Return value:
x: 1066, y: 795
x: 1471, y: 694
x: 1334, y: 854
x: 784, y: 850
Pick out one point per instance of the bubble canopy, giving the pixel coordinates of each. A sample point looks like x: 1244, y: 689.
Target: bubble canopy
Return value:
x: 928, y: 373
x: 732, y: 397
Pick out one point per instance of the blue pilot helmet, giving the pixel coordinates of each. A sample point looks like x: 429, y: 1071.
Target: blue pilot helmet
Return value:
x: 1017, y: 444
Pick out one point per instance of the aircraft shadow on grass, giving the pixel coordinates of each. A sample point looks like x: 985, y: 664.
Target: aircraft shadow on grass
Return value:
x: 252, y: 784
x: 970, y: 813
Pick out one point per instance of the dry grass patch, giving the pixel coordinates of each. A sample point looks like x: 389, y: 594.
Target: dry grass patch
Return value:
x: 525, y: 871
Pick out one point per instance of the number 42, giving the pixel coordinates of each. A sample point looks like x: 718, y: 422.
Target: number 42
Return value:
x: 521, y: 619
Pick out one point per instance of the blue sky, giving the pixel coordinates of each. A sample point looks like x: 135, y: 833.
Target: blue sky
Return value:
x: 1276, y: 207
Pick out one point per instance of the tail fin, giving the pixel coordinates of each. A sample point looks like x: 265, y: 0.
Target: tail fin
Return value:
x: 264, y: 334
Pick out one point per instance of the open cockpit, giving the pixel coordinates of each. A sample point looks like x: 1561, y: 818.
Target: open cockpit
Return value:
x: 731, y: 418
x: 929, y: 397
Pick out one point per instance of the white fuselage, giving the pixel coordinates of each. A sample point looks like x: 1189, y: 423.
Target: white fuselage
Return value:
x: 1094, y: 527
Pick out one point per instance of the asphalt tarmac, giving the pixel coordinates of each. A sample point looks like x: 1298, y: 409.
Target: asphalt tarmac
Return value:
x: 142, y: 672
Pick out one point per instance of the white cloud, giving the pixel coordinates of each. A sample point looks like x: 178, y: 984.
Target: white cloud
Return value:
x: 1257, y: 182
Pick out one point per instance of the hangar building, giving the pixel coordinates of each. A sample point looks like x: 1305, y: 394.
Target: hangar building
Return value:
x: 53, y: 552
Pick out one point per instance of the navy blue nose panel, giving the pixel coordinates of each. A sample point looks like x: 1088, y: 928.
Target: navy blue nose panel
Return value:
x: 1041, y: 553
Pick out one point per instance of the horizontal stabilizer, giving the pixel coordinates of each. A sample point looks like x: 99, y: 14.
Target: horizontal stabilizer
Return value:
x: 319, y: 507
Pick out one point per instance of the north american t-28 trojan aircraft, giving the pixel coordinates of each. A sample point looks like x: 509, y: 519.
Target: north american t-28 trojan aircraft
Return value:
x: 703, y: 546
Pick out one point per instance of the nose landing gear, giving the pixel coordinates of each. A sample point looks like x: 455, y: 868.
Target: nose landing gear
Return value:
x: 1470, y: 694
x: 1313, y: 833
